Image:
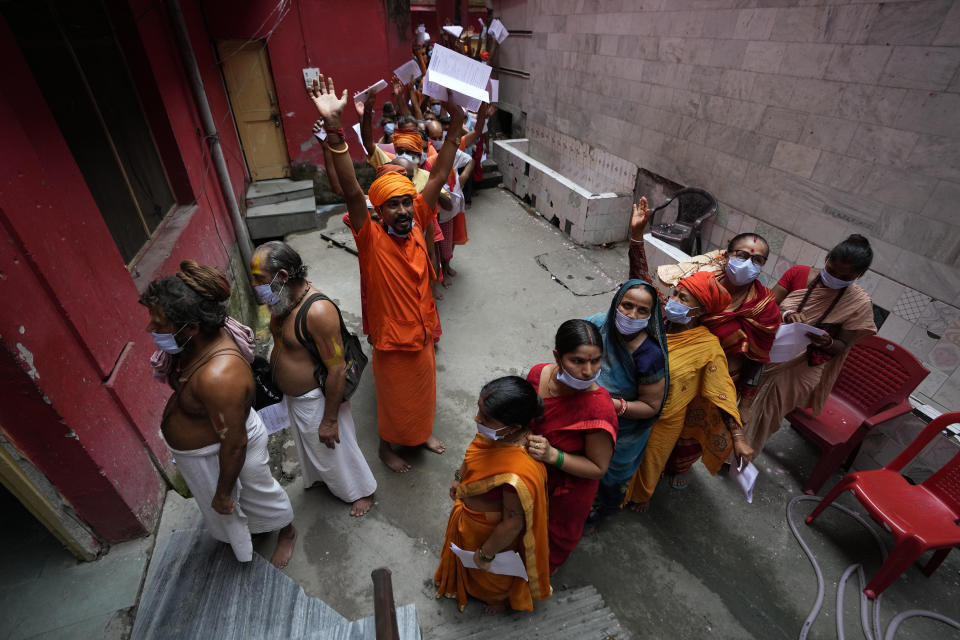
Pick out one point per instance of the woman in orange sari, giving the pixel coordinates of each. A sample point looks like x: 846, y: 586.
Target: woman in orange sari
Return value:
x: 500, y: 504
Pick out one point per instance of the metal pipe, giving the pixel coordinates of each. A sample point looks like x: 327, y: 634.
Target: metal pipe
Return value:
x: 210, y: 128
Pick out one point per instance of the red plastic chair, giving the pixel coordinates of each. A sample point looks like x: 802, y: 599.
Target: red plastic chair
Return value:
x: 873, y: 387
x: 921, y: 517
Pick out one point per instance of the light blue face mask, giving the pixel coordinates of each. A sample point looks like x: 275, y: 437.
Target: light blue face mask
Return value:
x: 389, y: 128
x: 832, y: 281
x: 435, y: 109
x: 484, y: 430
x: 266, y: 294
x: 676, y: 312
x: 167, y: 342
x: 575, y: 383
x: 628, y: 326
x: 742, y: 272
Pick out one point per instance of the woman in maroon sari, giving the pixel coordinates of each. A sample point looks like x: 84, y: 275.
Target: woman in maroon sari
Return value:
x: 576, y: 436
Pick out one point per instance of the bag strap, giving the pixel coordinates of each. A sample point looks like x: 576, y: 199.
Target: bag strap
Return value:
x: 303, y: 333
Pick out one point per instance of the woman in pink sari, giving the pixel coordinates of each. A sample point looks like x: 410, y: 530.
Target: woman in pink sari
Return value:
x: 576, y: 436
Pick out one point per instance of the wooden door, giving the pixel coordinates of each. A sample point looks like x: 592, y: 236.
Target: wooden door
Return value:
x: 253, y: 97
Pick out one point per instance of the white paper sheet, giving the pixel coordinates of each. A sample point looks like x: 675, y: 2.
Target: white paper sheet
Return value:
x: 356, y: 130
x: 454, y: 30
x: 377, y: 87
x: 310, y: 74
x: 275, y: 417
x: 746, y: 477
x: 791, y: 340
x: 465, y: 78
x: 505, y: 563
x: 408, y: 71
x: 498, y: 31
x: 493, y: 87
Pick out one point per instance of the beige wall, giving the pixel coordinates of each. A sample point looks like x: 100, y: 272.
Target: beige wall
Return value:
x: 809, y: 120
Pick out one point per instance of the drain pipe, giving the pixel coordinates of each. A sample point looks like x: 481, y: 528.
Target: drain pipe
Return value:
x: 210, y: 129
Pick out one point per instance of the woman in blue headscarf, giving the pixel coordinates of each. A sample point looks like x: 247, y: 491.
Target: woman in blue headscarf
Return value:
x: 634, y: 372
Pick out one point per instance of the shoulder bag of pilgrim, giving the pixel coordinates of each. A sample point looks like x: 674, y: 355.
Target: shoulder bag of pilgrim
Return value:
x: 353, y: 353
x: 267, y: 392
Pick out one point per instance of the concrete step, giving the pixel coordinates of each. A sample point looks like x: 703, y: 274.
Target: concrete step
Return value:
x: 491, y: 179
x: 280, y: 218
x: 577, y: 614
x: 279, y: 190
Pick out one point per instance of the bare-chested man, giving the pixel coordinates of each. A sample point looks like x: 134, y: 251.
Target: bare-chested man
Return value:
x: 218, y: 441
x: 321, y: 423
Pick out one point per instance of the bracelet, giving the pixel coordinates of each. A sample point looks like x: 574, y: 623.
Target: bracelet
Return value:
x: 346, y: 147
x: 623, y: 407
x: 738, y: 434
x: 484, y: 556
x: 558, y: 463
x: 457, y: 476
x: 338, y: 131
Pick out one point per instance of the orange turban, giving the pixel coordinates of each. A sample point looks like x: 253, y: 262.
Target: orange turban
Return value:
x: 408, y: 141
x: 704, y: 286
x: 390, y: 185
x: 388, y: 168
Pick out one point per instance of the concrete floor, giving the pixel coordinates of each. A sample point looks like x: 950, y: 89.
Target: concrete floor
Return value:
x: 703, y: 562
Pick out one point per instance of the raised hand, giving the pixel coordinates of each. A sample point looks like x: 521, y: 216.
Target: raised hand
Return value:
x: 325, y: 99
x: 640, y: 218
x: 397, y: 86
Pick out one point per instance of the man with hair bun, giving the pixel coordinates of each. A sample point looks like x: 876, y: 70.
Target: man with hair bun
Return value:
x: 321, y: 422
x: 217, y: 440
x: 396, y: 273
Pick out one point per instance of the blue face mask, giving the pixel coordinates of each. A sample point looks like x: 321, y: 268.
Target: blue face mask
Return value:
x: 832, y: 281
x: 742, y: 271
x: 676, y: 311
x: 266, y: 294
x: 435, y: 109
x: 389, y: 128
x: 167, y: 342
x: 629, y: 326
x: 575, y: 383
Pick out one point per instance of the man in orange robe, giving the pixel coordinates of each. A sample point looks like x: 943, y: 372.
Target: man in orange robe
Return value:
x: 396, y: 270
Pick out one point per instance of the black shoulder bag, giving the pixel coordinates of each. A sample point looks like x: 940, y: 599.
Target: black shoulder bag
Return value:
x: 353, y: 353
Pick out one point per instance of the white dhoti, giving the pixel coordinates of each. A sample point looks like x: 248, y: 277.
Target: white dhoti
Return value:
x: 261, y: 504
x: 343, y: 469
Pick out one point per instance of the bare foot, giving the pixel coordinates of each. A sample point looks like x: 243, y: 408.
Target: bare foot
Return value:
x: 436, y: 445
x: 285, y: 539
x: 640, y: 507
x: 437, y: 295
x: 495, y: 608
x: 393, y: 461
x: 450, y: 271
x: 446, y: 284
x: 361, y: 507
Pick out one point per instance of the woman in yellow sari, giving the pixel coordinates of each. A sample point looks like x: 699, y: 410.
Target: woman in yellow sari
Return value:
x: 698, y: 370
x: 500, y: 504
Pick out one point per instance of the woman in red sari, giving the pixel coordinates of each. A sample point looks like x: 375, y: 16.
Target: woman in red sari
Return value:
x: 576, y: 436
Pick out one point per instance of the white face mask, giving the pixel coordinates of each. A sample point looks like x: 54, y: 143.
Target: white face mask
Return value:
x: 484, y: 430
x: 742, y: 272
x: 575, y: 383
x: 629, y: 326
x: 833, y: 282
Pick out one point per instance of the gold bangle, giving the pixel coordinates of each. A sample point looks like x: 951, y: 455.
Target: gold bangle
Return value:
x: 346, y: 147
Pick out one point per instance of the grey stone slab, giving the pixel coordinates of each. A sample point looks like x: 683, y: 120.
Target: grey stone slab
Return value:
x: 284, y: 208
x: 763, y: 56
x: 755, y: 24
x: 582, y: 276
x: 944, y: 202
x: 824, y: 132
x: 870, y: 104
x: 841, y: 172
x: 849, y: 24
x: 342, y: 237
x: 795, y: 158
x: 883, y: 145
x: 909, y: 22
x: 806, y: 59
x: 936, y: 156
x: 783, y: 124
x: 799, y: 24
x: 949, y: 34
x: 930, y: 112
x: 857, y: 63
x: 929, y: 68
x: 273, y: 191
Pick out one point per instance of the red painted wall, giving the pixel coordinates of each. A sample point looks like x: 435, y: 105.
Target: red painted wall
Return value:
x: 71, y: 303
x: 353, y: 41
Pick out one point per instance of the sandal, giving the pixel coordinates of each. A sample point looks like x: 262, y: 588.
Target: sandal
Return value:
x: 679, y: 481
